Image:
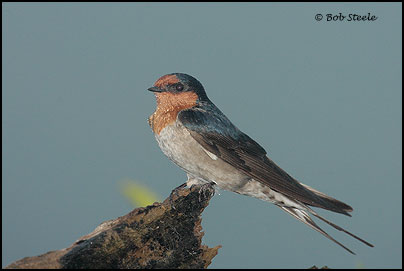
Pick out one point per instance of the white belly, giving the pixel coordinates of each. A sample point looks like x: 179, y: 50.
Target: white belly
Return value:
x: 178, y: 145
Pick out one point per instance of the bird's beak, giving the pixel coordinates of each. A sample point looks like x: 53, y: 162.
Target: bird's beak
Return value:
x: 155, y: 89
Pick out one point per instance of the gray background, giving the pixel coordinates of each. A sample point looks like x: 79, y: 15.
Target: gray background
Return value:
x: 323, y: 98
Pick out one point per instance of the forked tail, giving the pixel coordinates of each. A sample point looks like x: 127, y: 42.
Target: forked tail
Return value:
x: 304, y: 217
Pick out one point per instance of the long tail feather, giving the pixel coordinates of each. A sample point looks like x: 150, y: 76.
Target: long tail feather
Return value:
x: 339, y: 228
x: 306, y: 219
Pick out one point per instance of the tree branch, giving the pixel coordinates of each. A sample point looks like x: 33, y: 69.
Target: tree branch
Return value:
x: 162, y: 235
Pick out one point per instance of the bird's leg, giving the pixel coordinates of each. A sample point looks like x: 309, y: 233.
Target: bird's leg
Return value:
x: 194, y: 181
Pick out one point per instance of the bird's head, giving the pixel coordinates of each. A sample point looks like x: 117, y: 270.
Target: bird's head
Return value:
x: 179, y: 86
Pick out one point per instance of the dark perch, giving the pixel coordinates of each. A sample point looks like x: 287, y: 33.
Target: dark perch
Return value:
x: 162, y: 235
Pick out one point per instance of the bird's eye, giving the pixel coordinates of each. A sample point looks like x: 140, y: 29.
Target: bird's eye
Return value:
x: 179, y: 87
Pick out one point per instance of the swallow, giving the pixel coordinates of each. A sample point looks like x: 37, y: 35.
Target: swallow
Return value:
x: 194, y: 134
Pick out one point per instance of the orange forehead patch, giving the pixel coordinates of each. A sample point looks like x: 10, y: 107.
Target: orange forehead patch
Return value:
x: 168, y: 107
x: 165, y: 80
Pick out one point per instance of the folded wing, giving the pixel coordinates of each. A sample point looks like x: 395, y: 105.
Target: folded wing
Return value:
x: 211, y: 128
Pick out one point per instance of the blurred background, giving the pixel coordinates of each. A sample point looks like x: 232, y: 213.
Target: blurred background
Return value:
x: 322, y: 97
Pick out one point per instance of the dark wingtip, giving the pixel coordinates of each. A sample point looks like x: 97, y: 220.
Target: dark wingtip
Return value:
x: 347, y: 214
x: 334, y: 205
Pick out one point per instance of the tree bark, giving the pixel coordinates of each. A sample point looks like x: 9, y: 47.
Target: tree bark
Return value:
x: 162, y: 235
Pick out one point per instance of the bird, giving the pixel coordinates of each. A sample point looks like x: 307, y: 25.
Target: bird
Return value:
x: 194, y: 134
